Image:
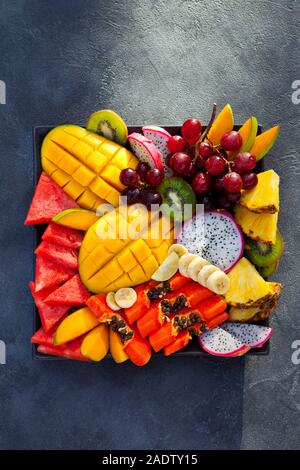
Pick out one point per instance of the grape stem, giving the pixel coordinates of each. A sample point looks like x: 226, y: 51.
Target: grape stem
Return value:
x: 202, y: 137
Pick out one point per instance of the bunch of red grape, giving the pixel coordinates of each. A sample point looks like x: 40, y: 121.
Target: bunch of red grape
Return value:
x: 214, y: 178
x: 140, y: 184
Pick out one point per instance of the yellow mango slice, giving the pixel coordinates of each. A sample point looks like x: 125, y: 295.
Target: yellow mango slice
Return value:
x: 223, y: 123
x: 79, y: 219
x: 95, y: 345
x: 264, y: 142
x: 248, y: 132
x: 83, y: 156
x: 116, y: 347
x: 75, y: 325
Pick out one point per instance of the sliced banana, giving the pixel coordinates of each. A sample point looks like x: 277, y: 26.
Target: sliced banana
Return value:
x: 218, y: 282
x: 167, y: 269
x: 195, y: 267
x: 125, y: 297
x: 110, y: 300
x: 205, y: 272
x: 184, y: 262
x: 180, y: 250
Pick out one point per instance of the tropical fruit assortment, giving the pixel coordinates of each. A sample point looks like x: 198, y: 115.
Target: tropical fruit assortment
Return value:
x: 152, y: 239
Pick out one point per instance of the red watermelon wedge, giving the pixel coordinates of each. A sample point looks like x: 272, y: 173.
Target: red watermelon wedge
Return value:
x: 49, y: 314
x: 71, y: 293
x: 49, y: 274
x: 43, y: 337
x: 65, y: 236
x: 69, y: 350
x: 58, y: 254
x: 48, y: 200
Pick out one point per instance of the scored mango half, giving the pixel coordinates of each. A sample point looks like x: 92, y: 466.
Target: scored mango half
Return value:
x: 86, y: 165
x: 123, y: 249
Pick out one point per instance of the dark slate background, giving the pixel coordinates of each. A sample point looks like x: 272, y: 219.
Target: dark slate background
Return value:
x: 154, y: 62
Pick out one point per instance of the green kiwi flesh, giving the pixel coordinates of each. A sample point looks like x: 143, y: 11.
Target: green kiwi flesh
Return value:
x: 264, y: 254
x: 175, y: 193
x: 108, y: 124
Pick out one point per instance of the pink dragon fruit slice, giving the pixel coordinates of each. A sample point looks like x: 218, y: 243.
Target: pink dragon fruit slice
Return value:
x: 253, y: 336
x: 160, y: 137
x: 145, y: 150
x: 219, y: 240
x: 218, y: 342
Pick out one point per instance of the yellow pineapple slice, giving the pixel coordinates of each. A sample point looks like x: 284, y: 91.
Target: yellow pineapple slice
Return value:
x: 264, y: 197
x: 247, y: 314
x: 247, y: 287
x: 260, y: 227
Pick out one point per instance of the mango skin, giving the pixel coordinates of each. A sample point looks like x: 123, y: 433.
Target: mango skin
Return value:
x: 95, y: 345
x: 75, y: 325
x: 79, y: 219
x: 86, y: 165
x: 116, y: 347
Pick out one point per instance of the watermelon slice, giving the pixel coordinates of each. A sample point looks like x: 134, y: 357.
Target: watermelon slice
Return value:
x: 49, y: 314
x: 43, y: 337
x: 58, y: 254
x: 69, y: 350
x: 48, y: 200
x: 65, y: 236
x: 49, y: 274
x: 71, y: 293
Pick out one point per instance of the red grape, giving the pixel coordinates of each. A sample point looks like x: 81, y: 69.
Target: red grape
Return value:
x: 219, y: 183
x: 202, y: 183
x: 150, y: 196
x: 154, y: 177
x: 200, y: 163
x: 129, y: 177
x: 231, y: 141
x: 133, y: 195
x: 233, y: 182
x: 205, y: 150
x: 191, y: 130
x: 233, y: 198
x: 244, y: 163
x: 176, y: 144
x: 142, y: 170
x: 215, y: 165
x: 249, y: 180
x: 180, y: 162
x: 222, y: 202
x: 190, y: 172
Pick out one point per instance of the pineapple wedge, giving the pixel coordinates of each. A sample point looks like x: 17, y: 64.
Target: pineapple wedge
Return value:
x: 259, y: 227
x: 247, y: 287
x: 264, y: 197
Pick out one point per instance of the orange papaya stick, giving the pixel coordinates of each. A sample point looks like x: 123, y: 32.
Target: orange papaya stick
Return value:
x: 218, y: 320
x: 180, y: 342
x: 140, y: 307
x: 196, y: 293
x: 138, y: 350
x: 211, y: 307
x: 162, y: 337
x: 178, y: 281
x: 150, y: 322
x: 97, y: 303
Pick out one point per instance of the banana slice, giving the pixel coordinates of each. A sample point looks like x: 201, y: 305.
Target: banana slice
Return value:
x: 184, y: 262
x: 110, y: 300
x: 218, y: 282
x: 125, y: 297
x: 205, y: 272
x: 180, y: 250
x: 167, y: 269
x: 195, y: 267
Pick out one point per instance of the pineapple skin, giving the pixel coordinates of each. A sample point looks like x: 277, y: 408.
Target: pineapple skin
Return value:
x: 259, y: 227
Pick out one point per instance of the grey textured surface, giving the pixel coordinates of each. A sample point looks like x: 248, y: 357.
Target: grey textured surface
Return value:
x: 154, y: 61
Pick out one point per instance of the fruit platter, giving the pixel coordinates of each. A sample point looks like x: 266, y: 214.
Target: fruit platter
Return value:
x: 154, y: 241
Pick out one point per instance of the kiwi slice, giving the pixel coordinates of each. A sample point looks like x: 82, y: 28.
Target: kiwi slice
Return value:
x: 264, y: 254
x: 175, y: 193
x: 266, y: 271
x: 109, y: 124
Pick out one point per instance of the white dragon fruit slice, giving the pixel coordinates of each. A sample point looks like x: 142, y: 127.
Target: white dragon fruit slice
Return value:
x: 218, y: 342
x: 145, y: 150
x: 253, y: 336
x: 160, y: 137
x: 220, y: 240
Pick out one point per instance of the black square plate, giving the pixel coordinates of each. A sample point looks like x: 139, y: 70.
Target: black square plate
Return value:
x: 193, y: 349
